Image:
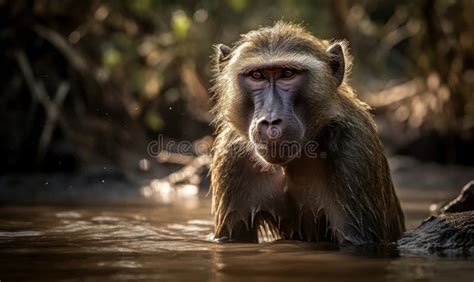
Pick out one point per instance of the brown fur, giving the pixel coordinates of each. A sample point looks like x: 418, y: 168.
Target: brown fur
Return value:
x: 345, y: 197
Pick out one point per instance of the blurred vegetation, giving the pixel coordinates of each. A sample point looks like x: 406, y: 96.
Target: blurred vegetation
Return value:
x: 90, y: 82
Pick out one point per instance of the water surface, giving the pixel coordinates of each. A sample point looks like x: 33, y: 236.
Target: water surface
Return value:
x: 143, y: 242
x: 167, y: 236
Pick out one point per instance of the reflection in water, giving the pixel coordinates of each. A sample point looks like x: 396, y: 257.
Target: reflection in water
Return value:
x: 171, y: 241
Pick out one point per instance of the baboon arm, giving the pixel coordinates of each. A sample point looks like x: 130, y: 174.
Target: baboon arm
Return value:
x: 369, y: 210
x: 243, y: 196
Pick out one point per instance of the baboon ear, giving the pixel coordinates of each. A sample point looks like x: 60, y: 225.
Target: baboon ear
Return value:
x: 337, y: 63
x: 223, y: 54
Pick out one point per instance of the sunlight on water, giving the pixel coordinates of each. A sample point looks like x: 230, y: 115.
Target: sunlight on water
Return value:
x: 162, y: 192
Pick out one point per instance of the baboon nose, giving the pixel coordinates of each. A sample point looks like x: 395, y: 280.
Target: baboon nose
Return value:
x: 272, y: 129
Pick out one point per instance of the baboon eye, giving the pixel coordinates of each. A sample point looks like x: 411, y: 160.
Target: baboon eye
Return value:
x: 256, y: 75
x: 287, y: 73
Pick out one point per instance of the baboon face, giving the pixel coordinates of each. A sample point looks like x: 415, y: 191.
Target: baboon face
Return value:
x: 276, y: 127
x: 275, y: 85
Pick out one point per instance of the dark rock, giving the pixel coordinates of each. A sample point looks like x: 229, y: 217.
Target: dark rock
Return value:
x: 450, y: 233
x: 464, y: 202
x: 446, y: 234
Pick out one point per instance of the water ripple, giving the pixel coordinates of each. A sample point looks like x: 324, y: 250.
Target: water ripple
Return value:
x: 10, y: 234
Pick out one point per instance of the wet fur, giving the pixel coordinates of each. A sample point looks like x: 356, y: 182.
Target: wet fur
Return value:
x: 346, y: 197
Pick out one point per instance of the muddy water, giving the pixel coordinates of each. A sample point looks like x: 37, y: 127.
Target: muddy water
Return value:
x: 171, y: 240
x: 164, y: 242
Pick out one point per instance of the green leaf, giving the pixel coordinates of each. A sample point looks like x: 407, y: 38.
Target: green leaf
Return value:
x: 180, y: 23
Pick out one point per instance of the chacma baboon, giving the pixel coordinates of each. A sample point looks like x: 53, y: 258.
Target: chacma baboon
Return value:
x: 296, y: 153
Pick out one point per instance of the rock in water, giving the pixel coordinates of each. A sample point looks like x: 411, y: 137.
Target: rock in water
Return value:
x: 450, y: 233
x: 463, y: 202
x: 446, y: 234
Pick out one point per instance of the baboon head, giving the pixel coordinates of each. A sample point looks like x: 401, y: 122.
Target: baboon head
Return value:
x: 276, y: 86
